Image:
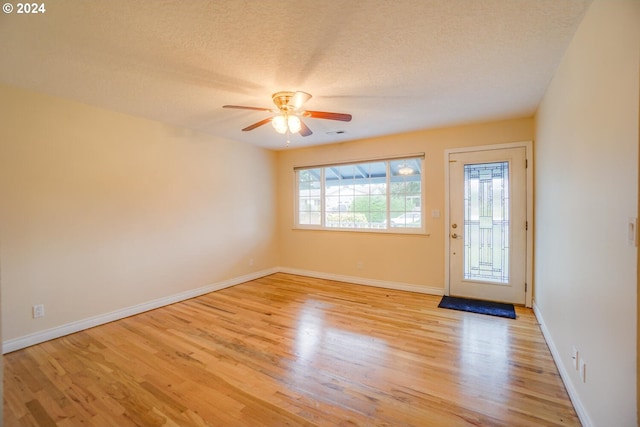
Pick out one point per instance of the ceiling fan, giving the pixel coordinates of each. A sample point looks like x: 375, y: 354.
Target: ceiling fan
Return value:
x: 289, y: 112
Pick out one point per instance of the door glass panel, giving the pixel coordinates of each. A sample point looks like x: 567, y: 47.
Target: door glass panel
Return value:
x: 486, y: 222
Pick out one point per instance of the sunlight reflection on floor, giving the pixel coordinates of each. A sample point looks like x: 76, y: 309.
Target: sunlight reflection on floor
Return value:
x: 485, y: 355
x: 316, y: 334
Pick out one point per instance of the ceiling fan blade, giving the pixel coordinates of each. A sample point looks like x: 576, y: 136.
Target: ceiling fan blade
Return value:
x: 258, y: 124
x: 304, y: 129
x: 330, y: 116
x: 241, y: 107
x: 298, y: 99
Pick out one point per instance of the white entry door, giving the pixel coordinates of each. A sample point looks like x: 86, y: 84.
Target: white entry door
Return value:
x: 488, y: 224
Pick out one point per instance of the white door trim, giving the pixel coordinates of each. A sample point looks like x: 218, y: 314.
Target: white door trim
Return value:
x: 528, y: 145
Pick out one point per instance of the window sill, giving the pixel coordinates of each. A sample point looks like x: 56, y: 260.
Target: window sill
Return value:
x: 421, y: 233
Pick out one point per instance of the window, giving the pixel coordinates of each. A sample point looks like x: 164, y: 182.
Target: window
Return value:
x: 374, y: 195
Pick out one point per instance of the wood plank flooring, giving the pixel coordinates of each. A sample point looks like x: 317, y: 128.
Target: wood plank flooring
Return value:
x: 288, y: 350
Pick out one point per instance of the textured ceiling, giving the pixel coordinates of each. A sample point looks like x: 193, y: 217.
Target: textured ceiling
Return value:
x: 396, y: 66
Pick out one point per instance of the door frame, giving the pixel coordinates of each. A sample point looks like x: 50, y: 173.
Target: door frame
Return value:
x: 528, y: 146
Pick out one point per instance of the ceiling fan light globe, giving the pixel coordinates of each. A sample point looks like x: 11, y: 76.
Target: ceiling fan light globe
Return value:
x: 294, y: 124
x: 279, y: 123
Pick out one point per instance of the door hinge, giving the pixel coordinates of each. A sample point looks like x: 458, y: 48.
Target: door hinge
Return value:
x: 526, y: 225
x: 526, y: 163
x: 525, y: 286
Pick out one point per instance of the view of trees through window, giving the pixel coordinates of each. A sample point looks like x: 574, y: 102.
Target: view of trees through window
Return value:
x: 372, y: 195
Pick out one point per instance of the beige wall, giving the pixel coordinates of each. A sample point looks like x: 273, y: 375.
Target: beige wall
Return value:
x: 101, y: 211
x: 586, y: 189
x: 405, y: 259
x: 1, y: 358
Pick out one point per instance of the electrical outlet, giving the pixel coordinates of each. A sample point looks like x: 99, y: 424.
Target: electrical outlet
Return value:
x: 360, y: 265
x: 583, y: 370
x: 38, y: 311
x: 250, y: 261
x: 632, y: 231
x: 574, y: 357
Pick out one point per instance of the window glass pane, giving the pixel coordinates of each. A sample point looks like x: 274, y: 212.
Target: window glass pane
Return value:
x: 362, y: 196
x: 361, y: 203
x: 309, y: 206
x: 406, y: 193
x: 348, y: 193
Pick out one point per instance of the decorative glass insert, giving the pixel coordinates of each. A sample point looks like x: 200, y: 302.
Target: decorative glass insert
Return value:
x: 486, y: 222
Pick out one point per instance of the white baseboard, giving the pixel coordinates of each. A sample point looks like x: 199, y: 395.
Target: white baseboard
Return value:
x: 69, y: 328
x: 368, y: 282
x: 566, y: 379
x: 79, y: 325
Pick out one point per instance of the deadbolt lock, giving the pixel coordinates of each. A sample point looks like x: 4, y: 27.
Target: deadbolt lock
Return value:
x: 454, y: 226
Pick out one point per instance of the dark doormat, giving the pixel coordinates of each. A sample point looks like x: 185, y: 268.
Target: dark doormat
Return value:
x: 477, y: 306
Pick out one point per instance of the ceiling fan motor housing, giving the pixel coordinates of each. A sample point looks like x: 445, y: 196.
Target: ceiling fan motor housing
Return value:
x: 283, y: 100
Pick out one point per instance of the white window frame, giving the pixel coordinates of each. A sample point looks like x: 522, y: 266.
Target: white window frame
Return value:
x: 422, y: 230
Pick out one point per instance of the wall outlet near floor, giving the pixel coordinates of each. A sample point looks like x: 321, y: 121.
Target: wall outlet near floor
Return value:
x: 38, y: 311
x: 360, y: 265
x: 574, y: 357
x: 250, y: 262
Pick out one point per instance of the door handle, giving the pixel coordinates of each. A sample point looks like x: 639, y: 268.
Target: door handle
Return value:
x: 455, y: 236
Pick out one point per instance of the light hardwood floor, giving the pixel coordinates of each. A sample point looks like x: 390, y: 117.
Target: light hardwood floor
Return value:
x: 288, y: 350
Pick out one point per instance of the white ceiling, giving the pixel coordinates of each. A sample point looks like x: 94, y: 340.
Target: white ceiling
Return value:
x: 396, y: 66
